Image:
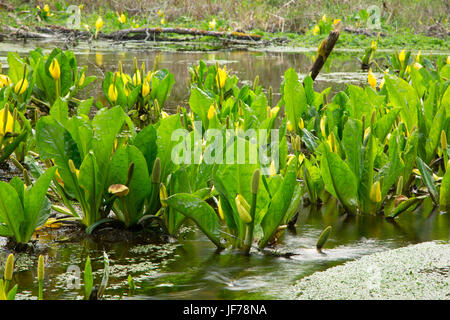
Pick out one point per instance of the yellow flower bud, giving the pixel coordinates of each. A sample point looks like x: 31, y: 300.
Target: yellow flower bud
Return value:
x: 211, y: 112
x: 332, y: 143
x: 4, y: 81
x: 289, y: 126
x: 274, y: 111
x: 112, y: 93
x: 408, y: 69
x: 243, y: 209
x: 9, y: 267
x: 5, y: 117
x: 137, y: 78
x: 322, y: 126
x: 372, y: 80
x: 54, y: 69
x: 81, y: 81
x: 443, y: 141
x: 417, y: 66
x: 301, y: 158
x: 145, y: 89
x: 402, y: 56
x: 163, y: 195
x: 212, y: 24
x: 21, y: 86
x: 99, y: 23
x: 73, y: 169
x: 149, y: 76
x: 375, y: 192
x: 41, y: 268
x: 221, y: 215
x: 273, y: 170
x: 373, y: 45
x: 301, y: 124
x: 221, y: 76
x: 316, y: 30
x: 419, y: 56
x: 122, y: 18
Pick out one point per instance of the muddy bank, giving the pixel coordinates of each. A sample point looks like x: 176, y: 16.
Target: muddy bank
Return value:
x: 415, y: 272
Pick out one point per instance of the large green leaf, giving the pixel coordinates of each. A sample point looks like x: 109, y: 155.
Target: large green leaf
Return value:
x: 165, y: 143
x: 16, y: 66
x: 34, y: 200
x: 180, y: 182
x: 145, y: 141
x: 383, y: 126
x: 139, y: 186
x: 200, y: 102
x: 445, y: 191
x: 367, y: 173
x: 390, y: 172
x: 106, y: 124
x: 162, y: 82
x: 402, y: 95
x: 339, y: 179
x: 279, y: 204
x: 56, y: 143
x: 294, y: 97
x: 434, y: 134
x: 11, y: 210
x: 427, y: 177
x: 200, y: 212
x: 231, y: 179
x: 351, y: 140
x: 91, y: 182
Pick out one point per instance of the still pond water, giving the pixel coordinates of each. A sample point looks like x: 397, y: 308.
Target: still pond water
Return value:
x: 191, y: 268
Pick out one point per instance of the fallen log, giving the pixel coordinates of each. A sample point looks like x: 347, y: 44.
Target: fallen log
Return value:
x: 22, y: 33
x: 149, y: 33
x: 323, y: 52
x: 185, y: 31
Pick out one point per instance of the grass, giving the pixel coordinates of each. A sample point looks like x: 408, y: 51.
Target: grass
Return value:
x: 406, y: 23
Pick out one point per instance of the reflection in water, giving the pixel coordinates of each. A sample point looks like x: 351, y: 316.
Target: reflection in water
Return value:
x: 269, y: 66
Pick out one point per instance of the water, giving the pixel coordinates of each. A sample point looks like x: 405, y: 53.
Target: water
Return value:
x: 190, y: 268
x: 341, y: 68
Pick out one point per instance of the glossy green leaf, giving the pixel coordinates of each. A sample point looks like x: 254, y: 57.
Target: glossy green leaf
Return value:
x: 279, y: 204
x: 11, y: 210
x: 444, y: 200
x: 34, y: 200
x: 339, y: 179
x: 294, y: 97
x: 427, y: 177
x: 198, y: 211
